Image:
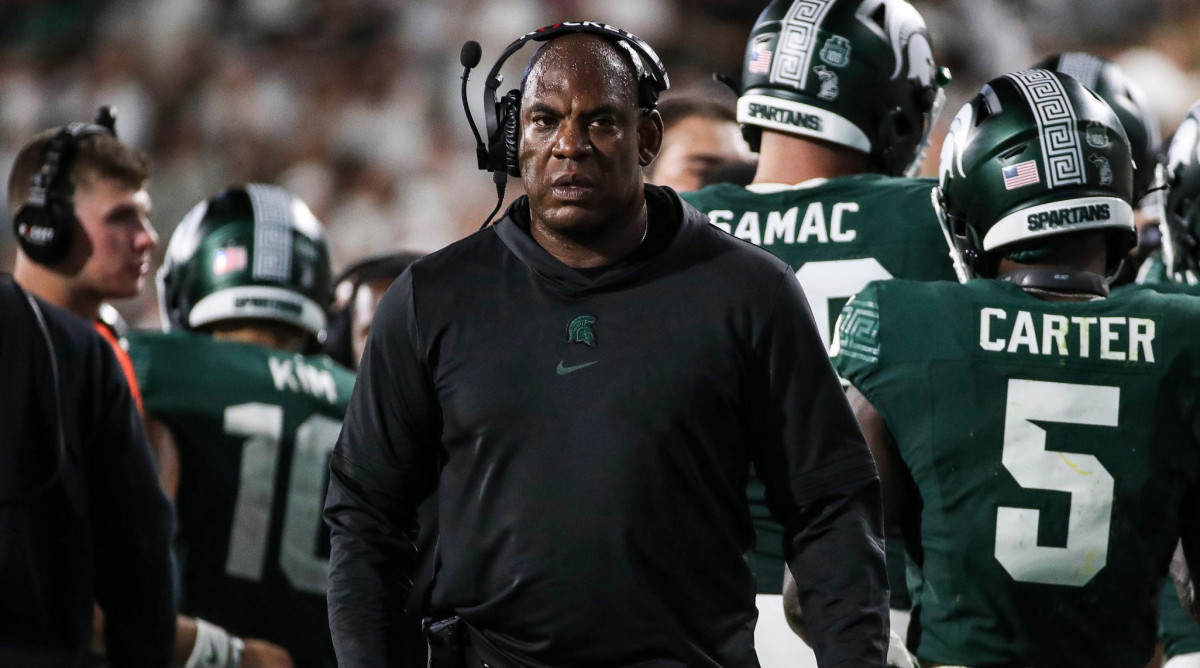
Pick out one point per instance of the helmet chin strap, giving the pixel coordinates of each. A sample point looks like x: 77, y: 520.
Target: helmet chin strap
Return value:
x: 1058, y: 282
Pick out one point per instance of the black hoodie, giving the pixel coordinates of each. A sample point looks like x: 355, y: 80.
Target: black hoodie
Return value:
x: 82, y: 516
x: 588, y: 435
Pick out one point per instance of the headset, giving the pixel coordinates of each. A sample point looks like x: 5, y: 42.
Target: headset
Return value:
x: 45, y: 224
x: 502, y: 114
x: 339, y: 333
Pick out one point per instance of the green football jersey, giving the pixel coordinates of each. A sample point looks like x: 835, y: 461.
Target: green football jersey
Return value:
x: 838, y: 235
x: 1177, y: 631
x: 1052, y: 444
x: 255, y: 428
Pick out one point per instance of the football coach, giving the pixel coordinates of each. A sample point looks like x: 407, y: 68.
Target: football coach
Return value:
x: 584, y: 386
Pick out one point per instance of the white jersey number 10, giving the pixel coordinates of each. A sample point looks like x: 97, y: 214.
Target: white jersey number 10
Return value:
x: 262, y: 427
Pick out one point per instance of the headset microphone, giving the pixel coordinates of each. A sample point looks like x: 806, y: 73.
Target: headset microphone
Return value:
x: 107, y: 118
x: 469, y: 57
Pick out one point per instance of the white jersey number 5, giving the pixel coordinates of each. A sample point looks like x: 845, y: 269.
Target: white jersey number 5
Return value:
x: 1082, y: 476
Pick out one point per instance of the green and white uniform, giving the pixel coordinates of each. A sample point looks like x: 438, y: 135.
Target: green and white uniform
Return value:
x: 1178, y: 632
x: 1052, y: 444
x: 837, y: 235
x: 254, y: 427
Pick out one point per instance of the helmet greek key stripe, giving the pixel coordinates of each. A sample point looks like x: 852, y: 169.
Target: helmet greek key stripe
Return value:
x: 1062, y: 155
x: 272, y: 233
x: 1083, y: 67
x: 797, y: 42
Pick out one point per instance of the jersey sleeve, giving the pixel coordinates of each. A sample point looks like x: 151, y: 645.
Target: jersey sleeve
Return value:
x: 855, y: 347
x: 144, y: 351
x: 822, y: 486
x: 384, y: 465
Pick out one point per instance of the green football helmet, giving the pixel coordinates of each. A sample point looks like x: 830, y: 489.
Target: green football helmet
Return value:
x: 1032, y: 156
x: 252, y: 252
x: 857, y: 73
x: 1126, y: 98
x: 1181, y: 232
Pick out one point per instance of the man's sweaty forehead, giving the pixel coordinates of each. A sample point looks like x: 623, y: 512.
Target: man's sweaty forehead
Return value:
x: 579, y: 53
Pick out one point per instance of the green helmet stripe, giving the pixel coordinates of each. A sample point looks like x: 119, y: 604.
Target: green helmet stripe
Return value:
x: 272, y: 232
x: 1062, y: 155
x: 252, y: 251
x: 797, y: 42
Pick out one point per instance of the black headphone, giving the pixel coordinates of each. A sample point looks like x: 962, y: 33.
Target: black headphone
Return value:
x: 502, y: 114
x: 45, y: 223
x: 339, y: 334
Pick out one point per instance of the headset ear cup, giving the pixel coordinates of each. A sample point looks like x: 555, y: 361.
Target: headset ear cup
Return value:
x: 510, y: 128
x: 44, y: 233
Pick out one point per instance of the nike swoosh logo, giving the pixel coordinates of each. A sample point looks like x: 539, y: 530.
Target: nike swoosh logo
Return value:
x: 564, y: 370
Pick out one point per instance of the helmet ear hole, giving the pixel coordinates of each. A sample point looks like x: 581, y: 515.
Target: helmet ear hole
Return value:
x: 879, y: 16
x: 1014, y: 152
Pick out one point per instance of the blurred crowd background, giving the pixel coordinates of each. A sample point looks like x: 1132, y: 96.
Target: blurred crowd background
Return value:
x: 354, y: 104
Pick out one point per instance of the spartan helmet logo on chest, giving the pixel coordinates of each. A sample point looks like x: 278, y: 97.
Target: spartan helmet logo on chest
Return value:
x: 580, y: 331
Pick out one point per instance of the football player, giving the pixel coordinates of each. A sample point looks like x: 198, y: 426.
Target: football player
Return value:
x: 252, y: 418
x: 356, y: 295
x: 1181, y: 215
x: 700, y: 133
x: 1126, y: 98
x: 1037, y: 438
x: 838, y: 98
x: 1177, y: 272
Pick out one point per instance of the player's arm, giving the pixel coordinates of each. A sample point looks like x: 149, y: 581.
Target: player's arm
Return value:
x: 198, y: 643
x: 384, y: 464
x: 822, y: 487
x: 201, y: 644
x: 892, y: 474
